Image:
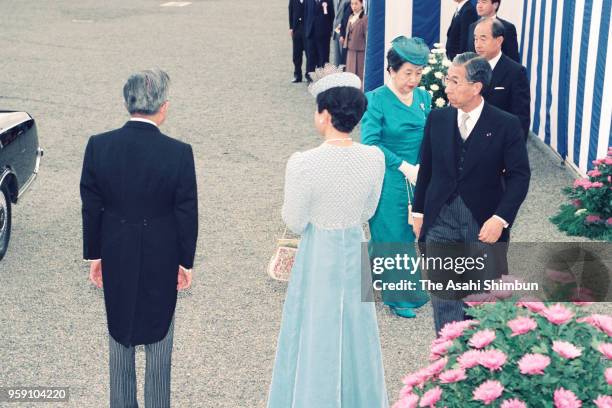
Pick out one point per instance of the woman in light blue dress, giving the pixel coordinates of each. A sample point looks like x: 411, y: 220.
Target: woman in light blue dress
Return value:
x: 328, y: 353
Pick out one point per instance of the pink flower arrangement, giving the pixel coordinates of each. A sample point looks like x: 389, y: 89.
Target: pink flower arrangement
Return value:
x: 497, y: 358
x: 594, y: 173
x: 566, y: 399
x: 533, y: 364
x: 430, y: 398
x: 513, y: 403
x: 482, y: 339
x: 439, y: 349
x: 566, y: 350
x: 488, y: 392
x: 522, y: 325
x: 557, y: 314
x: 603, y: 401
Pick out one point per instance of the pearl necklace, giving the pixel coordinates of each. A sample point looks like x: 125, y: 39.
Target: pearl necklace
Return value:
x: 339, y: 139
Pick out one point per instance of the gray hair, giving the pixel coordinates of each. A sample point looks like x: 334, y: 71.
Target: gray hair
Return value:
x: 497, y: 27
x: 477, y: 68
x: 146, y: 91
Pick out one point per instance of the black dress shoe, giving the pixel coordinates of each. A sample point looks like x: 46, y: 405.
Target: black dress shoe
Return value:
x: 308, y: 78
x: 296, y: 80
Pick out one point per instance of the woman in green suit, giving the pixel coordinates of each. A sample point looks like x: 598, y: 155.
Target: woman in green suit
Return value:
x: 395, y: 121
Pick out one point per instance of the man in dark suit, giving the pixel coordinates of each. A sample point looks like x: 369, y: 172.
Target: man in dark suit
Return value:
x: 462, y: 193
x: 458, y: 31
x: 319, y: 20
x: 296, y: 31
x: 140, y: 226
x: 489, y: 9
x: 509, y: 89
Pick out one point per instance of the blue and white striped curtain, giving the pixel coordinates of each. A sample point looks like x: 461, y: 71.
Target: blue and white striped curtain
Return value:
x: 566, y: 48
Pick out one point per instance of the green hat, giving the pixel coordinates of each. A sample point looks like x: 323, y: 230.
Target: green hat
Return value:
x: 413, y: 50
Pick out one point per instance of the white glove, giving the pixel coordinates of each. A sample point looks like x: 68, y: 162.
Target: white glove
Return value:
x: 410, y: 171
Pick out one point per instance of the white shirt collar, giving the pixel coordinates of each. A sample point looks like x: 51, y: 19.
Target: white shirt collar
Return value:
x: 474, y: 116
x: 143, y: 120
x: 460, y: 6
x: 493, y: 62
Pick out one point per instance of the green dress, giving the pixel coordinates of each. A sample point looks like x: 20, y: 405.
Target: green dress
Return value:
x: 397, y: 129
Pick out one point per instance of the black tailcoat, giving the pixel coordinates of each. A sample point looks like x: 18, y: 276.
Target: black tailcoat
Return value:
x: 140, y: 216
x: 496, y: 144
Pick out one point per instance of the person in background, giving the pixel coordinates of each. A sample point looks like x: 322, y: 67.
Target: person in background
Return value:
x: 355, y: 39
x: 296, y: 31
x: 318, y: 27
x: 394, y: 122
x: 489, y: 9
x: 509, y: 88
x: 457, y: 36
x: 328, y: 353
x: 343, y: 12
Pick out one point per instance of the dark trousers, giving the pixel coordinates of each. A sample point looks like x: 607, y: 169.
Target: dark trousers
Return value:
x: 317, y: 52
x: 157, y: 373
x: 298, y: 49
x: 454, y: 224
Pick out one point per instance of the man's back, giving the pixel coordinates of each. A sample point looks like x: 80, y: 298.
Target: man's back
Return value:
x: 458, y: 31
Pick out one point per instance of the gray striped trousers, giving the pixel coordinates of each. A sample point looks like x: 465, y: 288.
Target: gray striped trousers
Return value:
x: 122, y: 362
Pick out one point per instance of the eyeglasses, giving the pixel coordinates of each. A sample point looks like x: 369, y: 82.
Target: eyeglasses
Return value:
x: 451, y: 83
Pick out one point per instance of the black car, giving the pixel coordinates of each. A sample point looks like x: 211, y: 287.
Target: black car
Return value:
x: 19, y: 160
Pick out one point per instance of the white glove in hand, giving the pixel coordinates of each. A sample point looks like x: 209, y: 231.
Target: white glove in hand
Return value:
x: 410, y: 171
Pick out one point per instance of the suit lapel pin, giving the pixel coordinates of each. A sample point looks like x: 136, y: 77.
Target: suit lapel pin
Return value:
x: 423, y: 107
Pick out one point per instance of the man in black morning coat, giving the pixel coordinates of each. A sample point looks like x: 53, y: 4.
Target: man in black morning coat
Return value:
x: 319, y: 19
x: 140, y: 226
x: 457, y: 36
x: 296, y: 31
x: 463, y: 194
x: 509, y: 88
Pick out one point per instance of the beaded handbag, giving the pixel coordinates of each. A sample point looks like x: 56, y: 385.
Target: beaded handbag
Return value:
x: 281, y: 262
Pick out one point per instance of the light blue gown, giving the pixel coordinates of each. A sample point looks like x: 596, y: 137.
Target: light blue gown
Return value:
x: 328, y: 353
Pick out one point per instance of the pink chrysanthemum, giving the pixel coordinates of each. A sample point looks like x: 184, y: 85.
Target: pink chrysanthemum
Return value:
x: 407, y: 401
x: 430, y: 398
x: 599, y: 321
x: 566, y: 350
x: 606, y: 350
x: 533, y: 304
x: 513, y: 403
x: 522, y: 325
x: 533, y: 364
x: 482, y: 339
x: 566, y: 399
x: 488, y: 392
x: 608, y: 375
x: 436, y: 368
x: 557, y: 314
x: 439, y: 348
x: 452, y: 376
x: 603, y: 401
x: 492, y: 359
x: 469, y: 359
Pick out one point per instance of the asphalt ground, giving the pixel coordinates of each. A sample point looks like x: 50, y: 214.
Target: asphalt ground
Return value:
x: 65, y: 62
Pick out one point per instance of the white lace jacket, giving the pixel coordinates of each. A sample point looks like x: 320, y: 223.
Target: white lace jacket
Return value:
x: 332, y: 187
